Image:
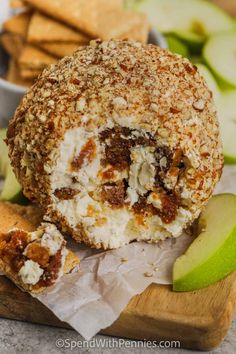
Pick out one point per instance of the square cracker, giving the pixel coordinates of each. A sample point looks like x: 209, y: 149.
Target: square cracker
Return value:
x: 18, y: 24
x: 29, y: 74
x: 12, y: 43
x: 16, y: 4
x: 85, y: 15
x: 13, y: 75
x: 45, y: 29
x: 124, y: 24
x: 34, y: 58
x: 59, y: 50
x: 139, y: 32
x: 27, y: 218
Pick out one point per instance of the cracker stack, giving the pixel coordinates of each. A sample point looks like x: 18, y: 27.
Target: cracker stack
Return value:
x: 49, y: 30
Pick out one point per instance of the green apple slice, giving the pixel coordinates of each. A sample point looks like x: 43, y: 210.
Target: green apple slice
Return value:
x: 227, y: 119
x: 3, y: 153
x: 176, y: 46
x: 192, y: 20
x: 12, y: 190
x: 212, y: 255
x: 211, y: 82
x: 219, y: 53
x: 192, y: 40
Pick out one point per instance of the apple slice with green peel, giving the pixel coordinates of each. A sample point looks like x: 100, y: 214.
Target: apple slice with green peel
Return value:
x: 12, y: 190
x: 227, y: 119
x: 212, y: 255
x: 225, y: 104
x: 192, y: 20
x: 176, y: 46
x: 4, y: 161
x: 220, y: 54
x: 192, y: 40
x: 211, y: 82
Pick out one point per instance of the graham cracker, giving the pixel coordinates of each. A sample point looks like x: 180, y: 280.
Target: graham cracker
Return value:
x: 13, y: 75
x: 12, y: 43
x: 18, y: 24
x: 35, y: 59
x: 85, y: 15
x: 59, y: 50
x: 45, y: 29
x: 139, y: 32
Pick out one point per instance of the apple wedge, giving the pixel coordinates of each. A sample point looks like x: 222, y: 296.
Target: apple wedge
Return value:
x: 219, y: 54
x: 225, y: 104
x: 212, y: 255
x: 191, y: 20
x: 177, y: 46
x: 12, y: 190
x: 211, y: 82
x: 227, y: 119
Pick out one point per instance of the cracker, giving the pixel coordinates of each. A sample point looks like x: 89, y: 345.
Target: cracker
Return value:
x: 86, y: 16
x: 139, y: 32
x: 12, y: 43
x: 30, y: 249
x: 13, y: 75
x: 29, y: 74
x: 16, y: 4
x: 45, y: 29
x: 18, y: 24
x: 124, y: 24
x: 59, y: 50
x: 34, y: 58
x: 27, y: 218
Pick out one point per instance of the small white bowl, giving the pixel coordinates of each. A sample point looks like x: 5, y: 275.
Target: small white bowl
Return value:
x: 11, y: 94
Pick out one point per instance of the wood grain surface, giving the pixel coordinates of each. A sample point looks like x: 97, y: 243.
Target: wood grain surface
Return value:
x: 199, y: 319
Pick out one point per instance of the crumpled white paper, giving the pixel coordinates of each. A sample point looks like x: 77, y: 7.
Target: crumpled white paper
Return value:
x: 94, y: 297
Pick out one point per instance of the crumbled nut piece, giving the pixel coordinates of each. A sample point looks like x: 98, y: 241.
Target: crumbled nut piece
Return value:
x: 119, y: 102
x: 199, y: 105
x: 148, y: 274
x: 80, y: 104
x: 154, y: 107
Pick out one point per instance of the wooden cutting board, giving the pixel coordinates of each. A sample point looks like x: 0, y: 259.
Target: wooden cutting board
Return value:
x: 199, y: 319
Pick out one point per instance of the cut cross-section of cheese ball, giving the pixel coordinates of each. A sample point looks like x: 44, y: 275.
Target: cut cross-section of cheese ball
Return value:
x: 118, y: 142
x: 35, y: 260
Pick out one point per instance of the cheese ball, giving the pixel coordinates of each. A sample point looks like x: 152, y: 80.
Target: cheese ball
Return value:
x: 118, y: 142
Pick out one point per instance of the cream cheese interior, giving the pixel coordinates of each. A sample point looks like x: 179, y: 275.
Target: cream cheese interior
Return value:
x: 82, y: 204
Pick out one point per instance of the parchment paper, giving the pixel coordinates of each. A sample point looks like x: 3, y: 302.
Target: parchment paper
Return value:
x: 94, y: 297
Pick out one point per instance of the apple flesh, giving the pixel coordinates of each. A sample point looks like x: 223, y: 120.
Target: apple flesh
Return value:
x: 227, y: 120
x: 192, y: 20
x: 219, y: 54
x: 212, y: 255
x: 12, y: 190
x: 211, y: 82
x: 177, y: 46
